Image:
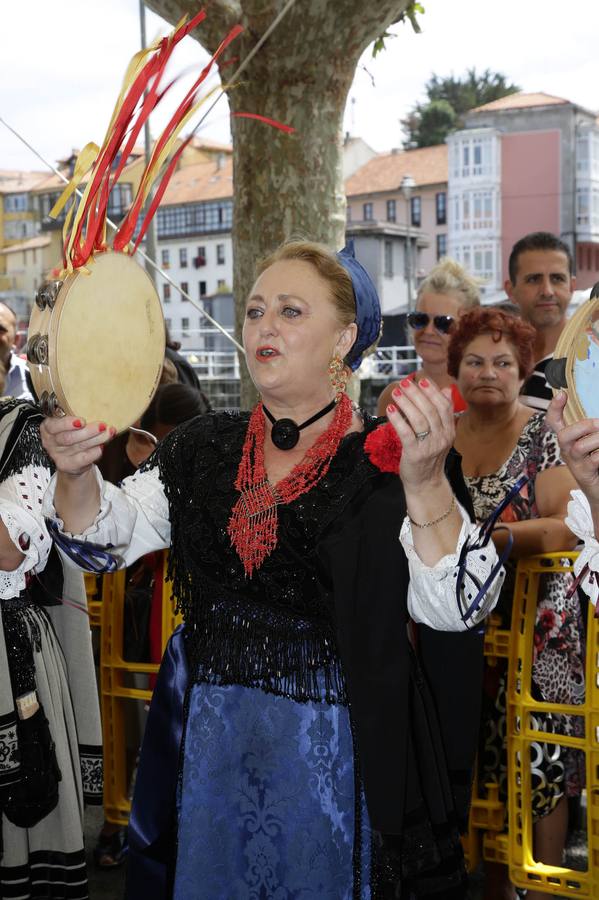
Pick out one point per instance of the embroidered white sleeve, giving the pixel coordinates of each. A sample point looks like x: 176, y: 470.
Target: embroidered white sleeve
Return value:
x: 133, y: 519
x: 432, y: 589
x: 21, y: 498
x: 580, y: 521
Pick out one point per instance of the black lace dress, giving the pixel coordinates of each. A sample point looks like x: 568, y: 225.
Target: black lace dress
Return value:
x: 308, y: 752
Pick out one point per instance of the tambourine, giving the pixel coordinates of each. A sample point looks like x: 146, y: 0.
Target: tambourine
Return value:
x: 96, y: 342
x: 575, y: 363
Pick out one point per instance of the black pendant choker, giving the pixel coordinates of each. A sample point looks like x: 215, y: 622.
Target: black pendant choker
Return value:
x: 285, y: 433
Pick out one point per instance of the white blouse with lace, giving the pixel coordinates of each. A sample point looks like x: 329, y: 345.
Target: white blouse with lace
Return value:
x: 580, y: 521
x: 21, y: 512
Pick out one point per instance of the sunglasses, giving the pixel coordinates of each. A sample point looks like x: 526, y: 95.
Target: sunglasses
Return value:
x: 419, y: 320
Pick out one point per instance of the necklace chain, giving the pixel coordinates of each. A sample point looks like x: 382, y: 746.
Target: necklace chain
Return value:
x: 254, y: 520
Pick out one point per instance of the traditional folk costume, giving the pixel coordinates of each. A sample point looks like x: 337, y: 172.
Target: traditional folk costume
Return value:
x: 52, y: 762
x: 298, y: 745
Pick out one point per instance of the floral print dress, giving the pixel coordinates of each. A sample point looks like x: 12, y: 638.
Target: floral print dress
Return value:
x: 558, y: 664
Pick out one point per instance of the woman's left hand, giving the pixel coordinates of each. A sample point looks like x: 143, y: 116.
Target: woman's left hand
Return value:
x: 422, y: 415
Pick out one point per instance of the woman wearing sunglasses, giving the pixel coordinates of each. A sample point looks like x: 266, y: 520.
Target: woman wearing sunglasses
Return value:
x: 443, y: 296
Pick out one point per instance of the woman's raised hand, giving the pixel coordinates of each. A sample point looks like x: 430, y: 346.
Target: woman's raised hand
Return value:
x: 73, y: 445
x: 422, y: 416
x: 579, y: 444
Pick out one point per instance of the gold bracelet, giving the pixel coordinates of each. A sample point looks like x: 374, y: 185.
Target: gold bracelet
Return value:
x: 434, y: 521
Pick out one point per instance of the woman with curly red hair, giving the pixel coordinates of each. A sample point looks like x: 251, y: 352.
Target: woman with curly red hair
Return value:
x: 490, y: 355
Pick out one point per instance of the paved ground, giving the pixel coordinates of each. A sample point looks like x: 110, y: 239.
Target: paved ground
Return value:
x: 104, y: 884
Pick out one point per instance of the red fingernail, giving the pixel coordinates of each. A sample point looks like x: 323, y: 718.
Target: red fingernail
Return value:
x: 101, y: 427
x: 424, y: 382
x: 405, y: 383
x: 396, y: 392
x: 77, y: 423
x: 391, y: 408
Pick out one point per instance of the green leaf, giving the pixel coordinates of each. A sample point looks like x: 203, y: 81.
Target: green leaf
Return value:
x: 412, y: 10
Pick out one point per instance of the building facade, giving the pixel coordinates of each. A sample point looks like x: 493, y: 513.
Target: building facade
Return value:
x: 195, y: 251
x: 408, y: 226
x: 18, y: 217
x: 527, y: 162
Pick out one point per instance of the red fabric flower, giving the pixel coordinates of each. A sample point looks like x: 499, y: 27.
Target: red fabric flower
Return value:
x: 384, y: 448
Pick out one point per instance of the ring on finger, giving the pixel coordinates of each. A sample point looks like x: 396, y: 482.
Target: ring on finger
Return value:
x: 422, y: 435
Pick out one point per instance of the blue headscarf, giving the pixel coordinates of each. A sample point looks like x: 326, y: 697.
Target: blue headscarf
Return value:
x: 368, y: 306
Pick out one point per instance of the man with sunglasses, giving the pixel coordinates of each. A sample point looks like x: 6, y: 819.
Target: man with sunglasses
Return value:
x: 15, y: 367
x: 541, y: 284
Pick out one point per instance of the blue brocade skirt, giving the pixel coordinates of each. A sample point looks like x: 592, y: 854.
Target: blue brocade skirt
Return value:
x: 269, y: 806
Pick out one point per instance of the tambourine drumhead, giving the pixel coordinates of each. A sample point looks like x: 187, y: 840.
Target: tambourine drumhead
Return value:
x: 106, y: 340
x: 577, y: 351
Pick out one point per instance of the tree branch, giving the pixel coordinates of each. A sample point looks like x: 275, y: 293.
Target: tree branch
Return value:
x: 222, y: 16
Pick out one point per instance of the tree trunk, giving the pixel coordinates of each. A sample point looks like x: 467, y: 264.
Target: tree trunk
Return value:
x: 288, y: 185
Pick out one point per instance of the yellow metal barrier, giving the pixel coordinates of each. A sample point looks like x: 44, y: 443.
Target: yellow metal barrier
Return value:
x: 486, y: 836
x: 94, y: 603
x: 521, y: 706
x: 116, y: 692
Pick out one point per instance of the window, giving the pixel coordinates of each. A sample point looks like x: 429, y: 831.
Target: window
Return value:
x: 184, y: 290
x: 477, y: 157
x: 194, y: 218
x: 441, y: 208
x: 478, y: 258
x: 119, y: 200
x: 202, y: 288
x: 391, y: 211
x: 474, y: 211
x: 166, y: 293
x: 220, y: 254
x: 16, y: 203
x: 183, y: 257
x: 200, y: 258
x: 416, y: 211
x: 465, y: 160
x: 441, y: 245
x: 583, y: 206
x: 348, y: 214
x: 221, y: 285
x: 165, y: 256
x: 17, y: 229
x: 168, y: 323
x: 185, y: 327
x: 473, y: 157
x: 388, y: 259
x: 367, y: 212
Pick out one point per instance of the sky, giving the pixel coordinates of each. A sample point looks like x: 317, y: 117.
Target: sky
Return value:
x: 63, y: 60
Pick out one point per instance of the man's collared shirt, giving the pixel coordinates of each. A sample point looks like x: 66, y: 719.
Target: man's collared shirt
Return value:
x: 16, y: 380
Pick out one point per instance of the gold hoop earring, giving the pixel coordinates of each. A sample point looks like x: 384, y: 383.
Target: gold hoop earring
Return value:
x: 338, y: 374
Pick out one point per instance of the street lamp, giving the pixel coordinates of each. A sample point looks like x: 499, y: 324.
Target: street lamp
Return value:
x: 406, y: 187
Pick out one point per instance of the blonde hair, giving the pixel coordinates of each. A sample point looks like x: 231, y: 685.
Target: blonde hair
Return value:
x: 448, y: 277
x: 328, y: 267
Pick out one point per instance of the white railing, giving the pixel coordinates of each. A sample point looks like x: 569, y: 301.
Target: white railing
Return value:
x: 389, y: 362
x: 385, y: 364
x: 214, y: 365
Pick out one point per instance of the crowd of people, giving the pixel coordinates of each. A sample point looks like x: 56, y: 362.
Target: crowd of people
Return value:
x: 304, y: 739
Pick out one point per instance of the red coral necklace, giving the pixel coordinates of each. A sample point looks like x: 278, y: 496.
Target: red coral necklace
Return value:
x: 254, y: 520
